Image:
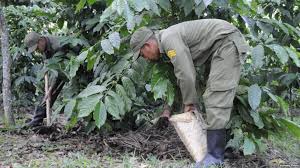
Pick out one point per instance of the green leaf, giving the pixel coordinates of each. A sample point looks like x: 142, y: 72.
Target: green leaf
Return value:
x: 82, y: 56
x: 69, y: 108
x: 272, y: 96
x: 283, y: 105
x: 199, y: 9
x: 129, y: 16
x: 282, y: 27
x: 139, y: 5
x: 160, y: 88
x: 237, y: 138
x: 280, y: 52
x: 108, y: 12
x: 292, y: 127
x: 207, y: 2
x: 107, y: 47
x: 129, y: 87
x: 115, y: 39
x: 257, y: 119
x: 90, y: 90
x: 74, y: 66
x: 91, y: 2
x: 91, y: 62
x: 87, y: 105
x: 153, y: 6
x: 165, y: 4
x: 119, y: 6
x: 248, y: 146
x: 293, y: 55
x: 188, y: 7
x: 170, y: 94
x: 121, y: 91
x: 265, y: 27
x: 100, y: 114
x: 288, y: 78
x: 254, y: 96
x: 120, y: 104
x: 111, y: 107
x: 197, y: 2
x: 258, y: 56
x: 293, y: 29
x: 80, y: 5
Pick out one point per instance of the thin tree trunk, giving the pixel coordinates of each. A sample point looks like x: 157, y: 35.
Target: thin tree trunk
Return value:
x: 6, y: 89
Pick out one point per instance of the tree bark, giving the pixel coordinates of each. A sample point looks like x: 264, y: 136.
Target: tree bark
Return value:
x: 6, y: 89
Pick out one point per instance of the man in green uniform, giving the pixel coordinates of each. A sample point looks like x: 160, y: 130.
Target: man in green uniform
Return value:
x: 48, y: 46
x: 191, y: 44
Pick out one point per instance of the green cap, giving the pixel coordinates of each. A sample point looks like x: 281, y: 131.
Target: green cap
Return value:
x: 138, y: 39
x: 31, y: 41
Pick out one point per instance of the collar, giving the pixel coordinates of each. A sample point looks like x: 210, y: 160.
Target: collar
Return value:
x: 158, y: 37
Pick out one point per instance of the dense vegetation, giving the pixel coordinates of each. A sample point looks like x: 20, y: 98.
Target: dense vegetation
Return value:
x: 107, y: 90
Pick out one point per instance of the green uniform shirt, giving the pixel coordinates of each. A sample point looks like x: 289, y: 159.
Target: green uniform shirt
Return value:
x: 190, y: 43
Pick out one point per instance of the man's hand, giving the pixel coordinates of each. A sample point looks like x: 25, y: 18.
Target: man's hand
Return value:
x: 189, y: 108
x: 163, y: 120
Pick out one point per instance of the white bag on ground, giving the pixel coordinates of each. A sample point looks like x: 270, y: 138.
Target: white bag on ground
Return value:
x: 191, y: 129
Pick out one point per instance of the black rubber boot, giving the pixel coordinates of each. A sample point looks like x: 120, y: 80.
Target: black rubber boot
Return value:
x: 40, y: 114
x: 215, y: 149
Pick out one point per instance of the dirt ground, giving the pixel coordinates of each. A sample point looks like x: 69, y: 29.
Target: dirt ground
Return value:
x: 52, y: 147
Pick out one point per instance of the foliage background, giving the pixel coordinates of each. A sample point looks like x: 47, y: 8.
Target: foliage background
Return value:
x: 108, y: 91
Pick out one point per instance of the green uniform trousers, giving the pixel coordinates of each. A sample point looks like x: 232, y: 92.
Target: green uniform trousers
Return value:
x: 223, y: 79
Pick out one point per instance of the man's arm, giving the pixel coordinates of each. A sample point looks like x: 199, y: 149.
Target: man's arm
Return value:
x: 184, y: 69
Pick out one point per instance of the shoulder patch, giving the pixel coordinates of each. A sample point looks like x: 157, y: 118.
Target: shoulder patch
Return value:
x: 171, y: 53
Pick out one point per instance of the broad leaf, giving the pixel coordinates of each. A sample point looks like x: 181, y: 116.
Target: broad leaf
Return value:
x: 74, y: 66
x: 237, y: 138
x: 108, y: 12
x: 165, y: 4
x: 197, y: 2
x: 139, y: 5
x: 188, y: 7
x: 254, y: 96
x: 283, y: 105
x: 170, y: 94
x: 292, y: 127
x: 160, y: 88
x: 69, y: 108
x: 121, y: 91
x: 272, y: 96
x: 100, y: 114
x: 280, y: 52
x: 257, y: 119
x: 82, y: 56
x: 207, y: 2
x: 111, y: 107
x: 107, y: 47
x: 293, y: 55
x: 115, y: 39
x: 91, y: 2
x: 120, y: 103
x: 80, y: 5
x: 258, y: 56
x: 120, y: 6
x: 87, y: 105
x: 129, y: 87
x: 153, y: 6
x: 129, y: 16
x: 248, y: 146
x: 90, y: 90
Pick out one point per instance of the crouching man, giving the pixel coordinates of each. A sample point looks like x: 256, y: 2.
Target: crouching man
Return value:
x: 193, y: 43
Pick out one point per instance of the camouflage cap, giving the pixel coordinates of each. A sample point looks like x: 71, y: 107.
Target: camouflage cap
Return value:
x: 31, y: 41
x: 138, y: 39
